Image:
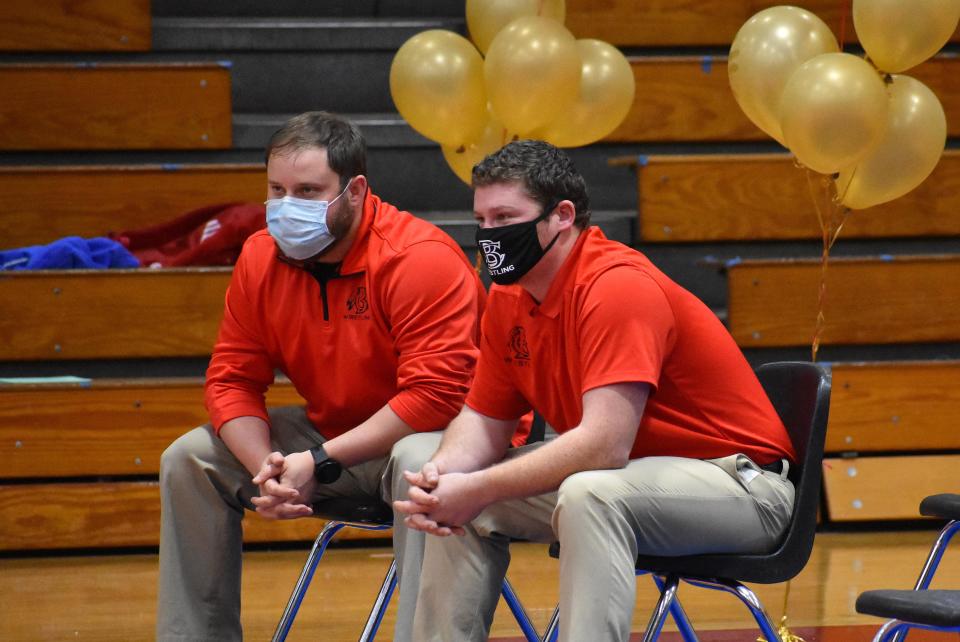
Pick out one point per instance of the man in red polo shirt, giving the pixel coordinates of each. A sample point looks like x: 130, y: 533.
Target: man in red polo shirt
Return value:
x: 373, y: 316
x: 667, y: 443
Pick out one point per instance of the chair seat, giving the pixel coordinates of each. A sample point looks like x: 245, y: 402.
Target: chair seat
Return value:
x: 934, y: 608
x: 374, y: 512
x: 945, y: 506
x: 771, y: 568
x: 760, y: 569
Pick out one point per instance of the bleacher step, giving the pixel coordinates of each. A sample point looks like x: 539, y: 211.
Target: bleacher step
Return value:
x: 288, y: 33
x: 325, y: 8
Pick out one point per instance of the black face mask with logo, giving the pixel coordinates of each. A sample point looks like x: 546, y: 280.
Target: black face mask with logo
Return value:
x: 511, y: 251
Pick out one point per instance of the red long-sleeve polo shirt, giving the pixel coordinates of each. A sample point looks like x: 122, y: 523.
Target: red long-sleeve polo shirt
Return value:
x: 399, y: 324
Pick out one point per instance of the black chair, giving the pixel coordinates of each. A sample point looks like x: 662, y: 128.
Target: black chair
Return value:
x: 800, y: 392
x: 375, y: 516
x: 921, y: 608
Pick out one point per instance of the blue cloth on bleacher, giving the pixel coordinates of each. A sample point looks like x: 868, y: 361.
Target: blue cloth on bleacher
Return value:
x: 71, y: 252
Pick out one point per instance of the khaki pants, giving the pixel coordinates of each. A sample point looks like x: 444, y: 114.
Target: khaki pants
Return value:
x: 204, y: 491
x: 603, y: 520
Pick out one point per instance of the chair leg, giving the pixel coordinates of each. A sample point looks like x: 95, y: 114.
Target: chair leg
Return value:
x: 553, y: 627
x: 519, y: 613
x: 380, y: 604
x: 678, y: 614
x: 930, y: 567
x: 936, y: 553
x: 890, y: 628
x: 659, y: 614
x: 676, y: 611
x: 303, y: 582
x: 748, y: 597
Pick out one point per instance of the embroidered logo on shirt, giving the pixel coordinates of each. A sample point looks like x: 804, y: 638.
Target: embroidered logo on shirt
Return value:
x: 357, y: 305
x: 517, y: 346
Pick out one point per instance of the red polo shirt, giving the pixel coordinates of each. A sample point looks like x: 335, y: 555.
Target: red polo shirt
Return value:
x: 611, y: 316
x: 397, y: 325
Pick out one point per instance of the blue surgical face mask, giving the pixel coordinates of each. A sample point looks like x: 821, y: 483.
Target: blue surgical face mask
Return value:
x: 299, y: 226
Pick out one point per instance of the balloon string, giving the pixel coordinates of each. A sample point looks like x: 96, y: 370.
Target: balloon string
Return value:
x: 844, y: 11
x: 782, y: 631
x: 830, y: 231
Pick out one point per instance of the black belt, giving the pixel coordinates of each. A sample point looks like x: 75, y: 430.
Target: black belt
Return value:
x: 774, y: 466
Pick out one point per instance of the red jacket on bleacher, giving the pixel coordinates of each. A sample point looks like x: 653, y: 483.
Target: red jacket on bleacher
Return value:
x: 399, y: 324
x: 210, y: 236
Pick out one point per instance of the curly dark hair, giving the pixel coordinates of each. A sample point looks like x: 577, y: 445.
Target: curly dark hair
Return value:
x: 345, y: 145
x: 546, y: 173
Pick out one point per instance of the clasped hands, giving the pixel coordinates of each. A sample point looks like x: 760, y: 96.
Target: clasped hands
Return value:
x: 286, y: 485
x: 440, y: 504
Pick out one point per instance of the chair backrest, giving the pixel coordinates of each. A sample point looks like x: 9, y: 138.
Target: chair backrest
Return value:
x: 800, y: 392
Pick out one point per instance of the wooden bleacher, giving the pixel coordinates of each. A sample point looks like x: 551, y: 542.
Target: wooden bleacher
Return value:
x: 752, y: 197
x: 67, y: 25
x: 688, y: 99
x: 88, y: 106
x: 872, y: 300
x: 895, y: 412
x: 895, y: 406
x: 69, y: 199
x: 72, y: 449
x: 111, y: 314
x: 100, y: 106
x: 908, y: 409
x: 885, y: 488
x: 628, y: 23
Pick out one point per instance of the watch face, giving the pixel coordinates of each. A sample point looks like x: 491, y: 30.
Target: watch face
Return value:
x: 327, y: 471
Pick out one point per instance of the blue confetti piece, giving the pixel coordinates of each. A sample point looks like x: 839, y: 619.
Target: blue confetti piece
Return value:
x: 734, y: 261
x: 886, y: 257
x: 171, y: 167
x: 642, y: 160
x: 226, y: 64
x: 706, y: 64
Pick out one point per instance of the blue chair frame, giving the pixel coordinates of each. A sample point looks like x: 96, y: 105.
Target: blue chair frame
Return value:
x: 886, y: 603
x: 372, y: 517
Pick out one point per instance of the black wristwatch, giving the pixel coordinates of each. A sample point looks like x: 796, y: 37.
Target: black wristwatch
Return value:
x: 326, y: 469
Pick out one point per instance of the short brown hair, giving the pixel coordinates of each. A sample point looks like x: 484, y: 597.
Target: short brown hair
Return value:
x: 546, y: 173
x: 346, y: 148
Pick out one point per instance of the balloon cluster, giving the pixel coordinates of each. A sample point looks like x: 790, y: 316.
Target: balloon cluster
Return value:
x: 878, y: 132
x: 523, y: 76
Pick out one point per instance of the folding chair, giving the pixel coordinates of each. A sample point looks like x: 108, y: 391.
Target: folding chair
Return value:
x: 800, y: 392
x: 921, y: 608
x: 375, y: 516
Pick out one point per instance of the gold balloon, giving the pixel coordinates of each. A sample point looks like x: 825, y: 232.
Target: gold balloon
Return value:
x: 436, y: 81
x: 462, y: 159
x: 485, y: 18
x: 899, y: 34
x: 532, y: 71
x: 911, y: 147
x: 606, y: 93
x: 833, y: 111
x: 765, y: 52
